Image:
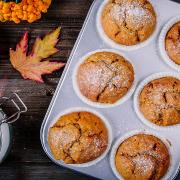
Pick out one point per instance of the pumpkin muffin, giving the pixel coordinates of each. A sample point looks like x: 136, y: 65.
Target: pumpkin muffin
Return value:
x: 142, y: 157
x: 160, y: 101
x: 78, y: 137
x: 105, y: 77
x: 128, y: 22
x: 172, y: 43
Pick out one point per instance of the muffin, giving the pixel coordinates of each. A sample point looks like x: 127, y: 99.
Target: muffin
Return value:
x: 105, y: 77
x: 159, y: 101
x: 172, y: 43
x: 78, y: 137
x: 128, y: 22
x: 142, y: 157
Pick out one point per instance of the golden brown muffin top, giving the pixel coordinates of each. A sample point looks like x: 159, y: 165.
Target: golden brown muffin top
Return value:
x: 173, y: 43
x: 142, y: 157
x: 160, y: 101
x: 105, y: 77
x: 78, y: 137
x: 129, y: 22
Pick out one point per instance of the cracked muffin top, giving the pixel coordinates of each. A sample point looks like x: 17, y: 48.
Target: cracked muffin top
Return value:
x: 142, y: 157
x: 128, y: 22
x: 78, y: 137
x: 172, y: 43
x: 105, y: 77
x: 160, y: 101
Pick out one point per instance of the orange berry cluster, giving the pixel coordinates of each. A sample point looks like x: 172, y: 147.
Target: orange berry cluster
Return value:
x: 28, y: 10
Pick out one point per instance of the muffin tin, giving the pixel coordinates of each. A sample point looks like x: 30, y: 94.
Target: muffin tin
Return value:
x: 122, y: 118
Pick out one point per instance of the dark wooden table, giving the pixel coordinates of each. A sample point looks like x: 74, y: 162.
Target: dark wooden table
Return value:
x: 27, y: 160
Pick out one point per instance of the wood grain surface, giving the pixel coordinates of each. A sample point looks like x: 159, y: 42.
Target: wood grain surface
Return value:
x: 27, y: 160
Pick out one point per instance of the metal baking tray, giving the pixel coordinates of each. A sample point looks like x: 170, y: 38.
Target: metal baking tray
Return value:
x: 122, y: 118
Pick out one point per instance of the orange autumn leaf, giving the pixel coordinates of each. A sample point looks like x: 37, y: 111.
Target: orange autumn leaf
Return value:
x: 31, y: 66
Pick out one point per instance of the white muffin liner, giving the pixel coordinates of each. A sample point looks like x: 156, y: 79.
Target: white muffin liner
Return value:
x: 170, y: 173
x: 136, y: 100
x: 96, y: 104
x: 161, y: 43
x: 107, y: 125
x: 116, y: 45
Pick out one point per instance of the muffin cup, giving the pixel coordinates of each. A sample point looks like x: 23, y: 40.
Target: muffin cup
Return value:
x: 96, y: 104
x: 107, y: 125
x: 170, y: 173
x: 136, y: 100
x: 161, y: 43
x: 121, y: 46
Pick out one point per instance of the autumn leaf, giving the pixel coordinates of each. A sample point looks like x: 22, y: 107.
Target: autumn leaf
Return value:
x: 31, y: 66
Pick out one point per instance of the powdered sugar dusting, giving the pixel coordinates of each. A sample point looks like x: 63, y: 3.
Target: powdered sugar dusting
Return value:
x: 131, y: 13
x: 118, y: 13
x: 144, y: 164
x: 175, y: 47
x: 178, y: 46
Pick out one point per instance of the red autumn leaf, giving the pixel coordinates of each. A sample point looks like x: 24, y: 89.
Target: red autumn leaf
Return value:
x: 31, y: 66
